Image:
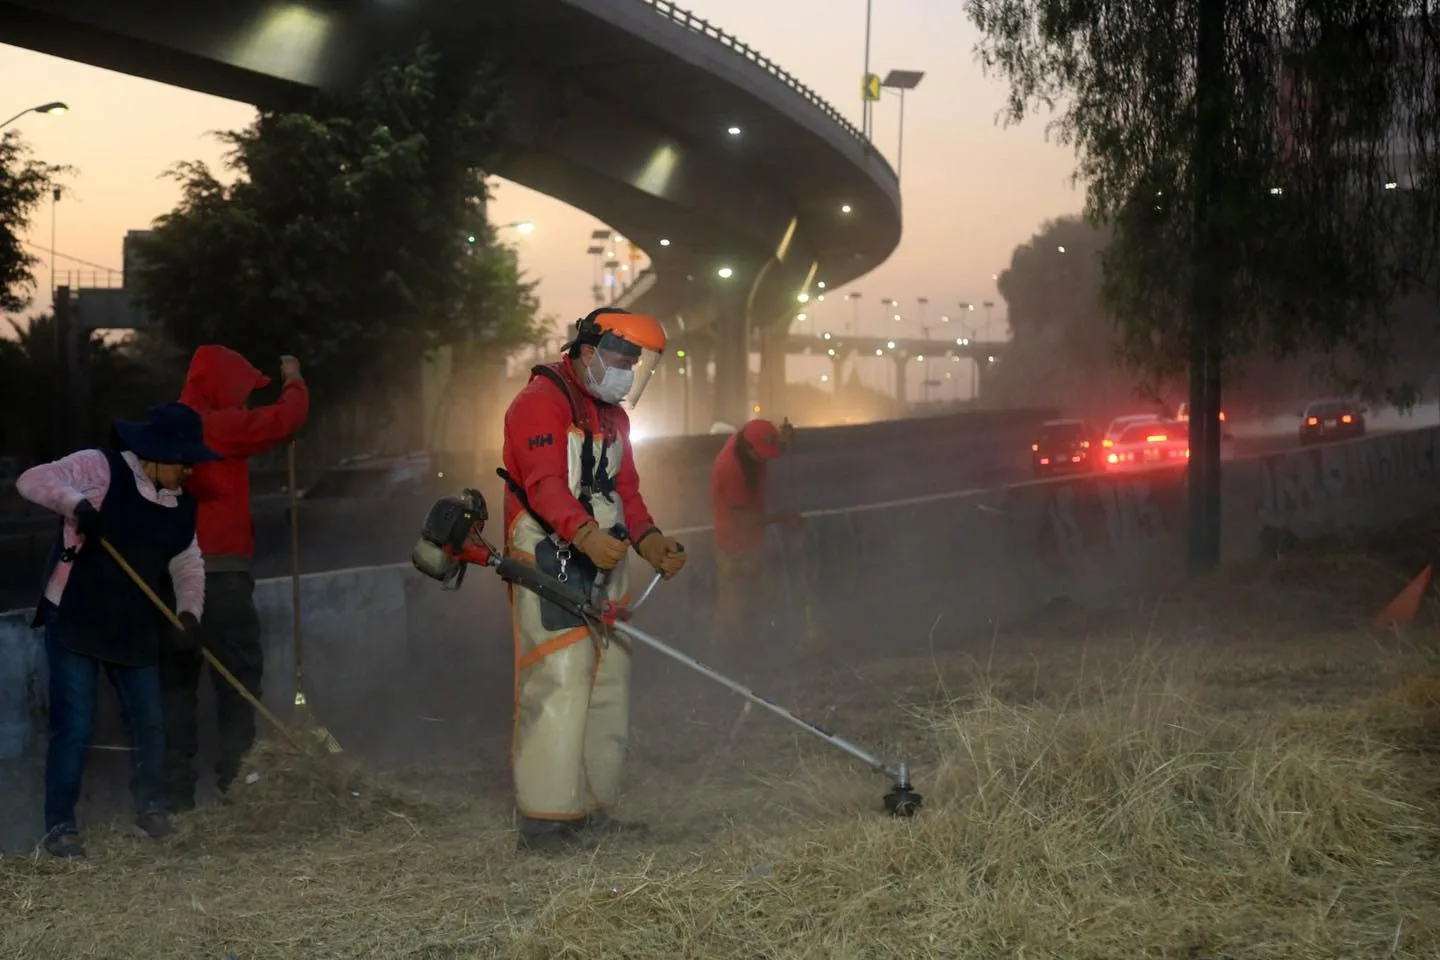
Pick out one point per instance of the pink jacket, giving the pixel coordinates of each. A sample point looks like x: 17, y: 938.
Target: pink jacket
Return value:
x: 85, y: 475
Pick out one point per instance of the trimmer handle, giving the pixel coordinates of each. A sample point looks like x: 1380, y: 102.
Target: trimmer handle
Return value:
x: 597, y: 592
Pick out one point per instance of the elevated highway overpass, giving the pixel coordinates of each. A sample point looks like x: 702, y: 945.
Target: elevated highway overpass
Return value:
x: 694, y: 350
x: 636, y: 111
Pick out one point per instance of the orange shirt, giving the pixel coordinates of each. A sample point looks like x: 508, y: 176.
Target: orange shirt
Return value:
x: 738, y: 510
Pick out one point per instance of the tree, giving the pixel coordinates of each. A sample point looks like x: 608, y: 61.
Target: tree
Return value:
x: 24, y: 183
x: 1063, y: 345
x: 1247, y: 157
x: 1322, y: 206
x: 354, y: 234
x: 115, y: 382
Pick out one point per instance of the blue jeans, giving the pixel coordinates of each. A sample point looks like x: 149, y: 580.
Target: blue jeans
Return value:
x: 74, y: 681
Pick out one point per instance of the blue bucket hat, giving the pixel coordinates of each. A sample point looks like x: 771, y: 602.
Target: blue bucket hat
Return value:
x: 173, y: 434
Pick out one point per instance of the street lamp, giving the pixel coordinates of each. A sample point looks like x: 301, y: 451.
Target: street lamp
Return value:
x: 988, y: 305
x: 902, y: 80
x: 53, y: 109
x: 854, y: 298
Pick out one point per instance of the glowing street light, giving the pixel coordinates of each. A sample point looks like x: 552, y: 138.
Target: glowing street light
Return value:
x: 725, y: 273
x: 53, y: 109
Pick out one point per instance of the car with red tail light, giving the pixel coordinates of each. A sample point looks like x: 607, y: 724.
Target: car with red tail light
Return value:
x: 1147, y: 445
x: 1063, y: 446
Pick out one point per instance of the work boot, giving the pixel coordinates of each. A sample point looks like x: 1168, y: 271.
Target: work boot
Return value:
x: 602, y: 823
x: 64, y: 844
x: 554, y: 836
x: 155, y: 823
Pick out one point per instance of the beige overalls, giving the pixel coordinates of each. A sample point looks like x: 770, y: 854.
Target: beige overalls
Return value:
x: 572, y: 694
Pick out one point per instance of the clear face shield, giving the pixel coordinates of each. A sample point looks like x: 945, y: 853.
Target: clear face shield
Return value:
x: 619, y: 370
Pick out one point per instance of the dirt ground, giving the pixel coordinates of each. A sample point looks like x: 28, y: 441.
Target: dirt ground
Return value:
x: 1245, y: 768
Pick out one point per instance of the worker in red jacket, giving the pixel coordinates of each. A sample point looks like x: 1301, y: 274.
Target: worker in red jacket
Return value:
x: 740, y: 516
x: 218, y: 387
x: 572, y: 479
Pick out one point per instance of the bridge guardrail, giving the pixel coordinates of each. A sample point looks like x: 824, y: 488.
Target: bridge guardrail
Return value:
x: 690, y: 21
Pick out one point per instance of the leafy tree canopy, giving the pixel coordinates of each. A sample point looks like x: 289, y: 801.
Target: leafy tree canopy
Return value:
x: 1326, y: 191
x: 353, y: 234
x: 115, y: 381
x: 24, y: 184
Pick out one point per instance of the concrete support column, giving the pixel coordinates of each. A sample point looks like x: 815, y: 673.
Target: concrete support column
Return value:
x: 772, y: 392
x: 732, y: 365
x: 695, y: 393
x: 983, y: 369
x: 901, y: 391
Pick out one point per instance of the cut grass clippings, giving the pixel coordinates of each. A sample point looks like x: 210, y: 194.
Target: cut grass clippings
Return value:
x: 1215, y: 774
x: 1136, y: 822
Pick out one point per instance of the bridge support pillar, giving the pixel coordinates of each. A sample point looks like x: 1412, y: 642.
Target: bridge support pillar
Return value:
x: 983, y: 369
x: 771, y: 394
x: 732, y: 367
x: 695, y: 393
x: 901, y: 387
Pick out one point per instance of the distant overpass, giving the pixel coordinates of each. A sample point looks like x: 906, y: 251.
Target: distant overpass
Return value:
x: 636, y: 111
x: 694, y: 351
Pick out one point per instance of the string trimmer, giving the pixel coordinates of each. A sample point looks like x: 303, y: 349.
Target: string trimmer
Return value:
x: 453, y: 539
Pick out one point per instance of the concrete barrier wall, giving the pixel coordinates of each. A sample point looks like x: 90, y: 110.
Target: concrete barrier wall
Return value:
x: 832, y: 466
x: 378, y: 642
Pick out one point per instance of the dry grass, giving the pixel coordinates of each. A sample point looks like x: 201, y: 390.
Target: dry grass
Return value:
x: 1162, y: 797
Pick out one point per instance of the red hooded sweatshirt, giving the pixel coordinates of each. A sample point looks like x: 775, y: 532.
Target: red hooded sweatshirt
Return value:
x: 217, y: 386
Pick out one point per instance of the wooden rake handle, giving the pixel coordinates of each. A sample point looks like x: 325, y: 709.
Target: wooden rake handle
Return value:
x: 210, y: 658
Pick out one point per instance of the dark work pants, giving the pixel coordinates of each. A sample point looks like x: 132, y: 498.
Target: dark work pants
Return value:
x: 74, y: 682
x: 230, y: 629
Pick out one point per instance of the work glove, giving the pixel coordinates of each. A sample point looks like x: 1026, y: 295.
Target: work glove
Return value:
x: 88, y: 522
x: 604, y: 551
x: 186, y: 639
x: 661, y: 552
x: 289, y: 368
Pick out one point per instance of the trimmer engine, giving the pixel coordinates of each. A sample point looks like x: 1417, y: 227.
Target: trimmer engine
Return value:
x: 451, y: 538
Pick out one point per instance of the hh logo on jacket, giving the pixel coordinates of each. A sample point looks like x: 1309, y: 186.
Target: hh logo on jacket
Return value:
x: 543, y: 440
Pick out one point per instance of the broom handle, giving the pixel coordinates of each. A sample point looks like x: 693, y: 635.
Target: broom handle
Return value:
x: 215, y: 664
x: 294, y: 560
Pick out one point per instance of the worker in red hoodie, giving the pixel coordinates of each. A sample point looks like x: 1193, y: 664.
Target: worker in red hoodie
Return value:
x: 744, y: 617
x: 218, y: 387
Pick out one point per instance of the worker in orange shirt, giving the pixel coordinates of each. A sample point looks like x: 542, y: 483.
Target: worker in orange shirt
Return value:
x: 738, y: 504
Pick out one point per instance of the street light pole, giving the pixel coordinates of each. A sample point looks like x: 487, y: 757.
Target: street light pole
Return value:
x: 902, y: 80
x: 54, y: 109
x: 854, y: 299
x: 865, y: 113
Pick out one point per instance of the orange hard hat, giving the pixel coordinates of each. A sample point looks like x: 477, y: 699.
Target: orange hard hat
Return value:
x: 637, y: 329
x: 763, y: 437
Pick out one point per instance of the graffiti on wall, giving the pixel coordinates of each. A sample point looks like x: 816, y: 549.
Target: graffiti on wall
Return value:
x: 1317, y: 483
x: 1084, y: 537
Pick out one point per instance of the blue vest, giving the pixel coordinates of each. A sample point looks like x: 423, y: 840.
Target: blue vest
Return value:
x: 103, y: 614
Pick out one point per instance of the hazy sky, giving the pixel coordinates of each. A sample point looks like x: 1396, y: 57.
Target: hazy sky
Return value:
x: 972, y: 189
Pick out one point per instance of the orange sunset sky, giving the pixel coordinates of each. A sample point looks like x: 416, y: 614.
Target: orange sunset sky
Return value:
x: 972, y: 189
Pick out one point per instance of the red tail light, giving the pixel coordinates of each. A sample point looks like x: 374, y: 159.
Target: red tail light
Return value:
x: 1311, y: 421
x: 1347, y: 419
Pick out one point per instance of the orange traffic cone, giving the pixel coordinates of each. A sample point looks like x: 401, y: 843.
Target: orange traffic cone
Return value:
x: 1406, y: 604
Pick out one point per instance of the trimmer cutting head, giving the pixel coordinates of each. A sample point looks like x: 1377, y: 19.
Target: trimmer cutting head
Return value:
x: 902, y: 800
